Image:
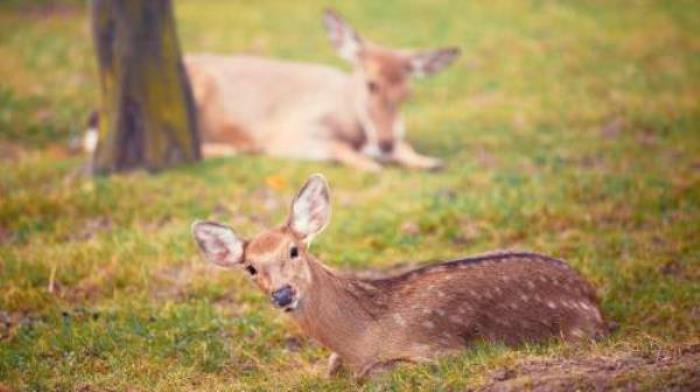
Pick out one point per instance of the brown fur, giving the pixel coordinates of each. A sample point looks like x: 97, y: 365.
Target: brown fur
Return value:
x: 416, y: 316
x: 505, y: 297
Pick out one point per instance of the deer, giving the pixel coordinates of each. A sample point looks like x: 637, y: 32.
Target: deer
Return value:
x: 372, y: 324
x: 250, y: 104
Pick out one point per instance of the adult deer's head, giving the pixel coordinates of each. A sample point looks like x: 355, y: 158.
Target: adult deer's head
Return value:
x: 381, y: 80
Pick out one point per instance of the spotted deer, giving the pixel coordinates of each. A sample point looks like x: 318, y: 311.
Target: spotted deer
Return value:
x: 370, y: 324
x: 312, y: 111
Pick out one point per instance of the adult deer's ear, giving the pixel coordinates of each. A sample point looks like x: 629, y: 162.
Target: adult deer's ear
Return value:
x: 345, y: 39
x: 431, y: 61
x: 219, y: 243
x: 311, y: 208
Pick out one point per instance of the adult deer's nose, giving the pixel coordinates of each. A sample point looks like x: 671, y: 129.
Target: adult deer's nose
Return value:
x: 283, y: 296
x: 387, y: 146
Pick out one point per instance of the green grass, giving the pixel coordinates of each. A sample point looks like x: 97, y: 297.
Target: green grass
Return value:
x: 568, y: 128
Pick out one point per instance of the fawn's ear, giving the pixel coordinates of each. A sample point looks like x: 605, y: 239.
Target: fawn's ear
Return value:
x: 219, y: 243
x: 344, y: 38
x: 431, y: 61
x: 311, y: 208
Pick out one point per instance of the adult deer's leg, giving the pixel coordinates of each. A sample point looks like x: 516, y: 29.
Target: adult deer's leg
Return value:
x: 344, y: 153
x: 405, y: 155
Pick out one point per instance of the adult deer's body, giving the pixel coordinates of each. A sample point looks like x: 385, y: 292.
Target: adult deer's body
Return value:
x: 312, y: 111
x: 369, y: 324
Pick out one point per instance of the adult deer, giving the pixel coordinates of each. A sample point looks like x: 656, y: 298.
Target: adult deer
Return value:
x: 370, y: 324
x: 313, y: 111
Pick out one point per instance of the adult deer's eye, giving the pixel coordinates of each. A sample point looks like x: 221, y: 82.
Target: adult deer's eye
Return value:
x: 251, y: 270
x: 293, y: 252
x: 372, y: 86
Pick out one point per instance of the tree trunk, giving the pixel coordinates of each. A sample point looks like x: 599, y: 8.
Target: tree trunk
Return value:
x: 147, y: 115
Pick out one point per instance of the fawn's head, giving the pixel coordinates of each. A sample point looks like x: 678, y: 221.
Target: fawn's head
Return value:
x: 277, y: 260
x: 381, y: 80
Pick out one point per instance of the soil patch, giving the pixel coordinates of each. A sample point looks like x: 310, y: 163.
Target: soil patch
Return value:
x: 677, y: 370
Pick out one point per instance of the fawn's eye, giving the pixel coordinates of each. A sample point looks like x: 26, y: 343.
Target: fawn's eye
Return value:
x: 293, y: 252
x: 372, y: 86
x: 251, y: 270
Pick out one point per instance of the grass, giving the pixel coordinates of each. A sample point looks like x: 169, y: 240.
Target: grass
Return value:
x: 569, y: 128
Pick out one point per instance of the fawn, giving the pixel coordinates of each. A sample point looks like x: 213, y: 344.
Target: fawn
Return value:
x: 370, y: 324
x: 312, y: 111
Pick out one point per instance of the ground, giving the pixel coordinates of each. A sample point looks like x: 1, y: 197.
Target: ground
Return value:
x: 568, y: 128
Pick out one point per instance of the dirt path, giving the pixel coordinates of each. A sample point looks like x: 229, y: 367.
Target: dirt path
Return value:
x: 677, y: 370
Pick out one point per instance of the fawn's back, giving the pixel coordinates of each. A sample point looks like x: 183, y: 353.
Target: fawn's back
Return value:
x: 508, y: 297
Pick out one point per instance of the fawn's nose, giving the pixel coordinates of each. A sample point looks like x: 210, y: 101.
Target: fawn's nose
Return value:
x: 283, y: 296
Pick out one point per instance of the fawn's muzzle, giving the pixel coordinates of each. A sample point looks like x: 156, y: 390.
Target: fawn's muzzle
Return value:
x: 284, y: 296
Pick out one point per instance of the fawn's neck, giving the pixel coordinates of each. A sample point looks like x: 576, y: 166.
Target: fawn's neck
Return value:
x: 338, y: 310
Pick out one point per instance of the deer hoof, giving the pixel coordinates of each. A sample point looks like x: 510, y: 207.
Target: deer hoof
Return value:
x: 334, y: 365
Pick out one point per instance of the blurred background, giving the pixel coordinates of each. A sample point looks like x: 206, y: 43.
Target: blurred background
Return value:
x: 569, y: 128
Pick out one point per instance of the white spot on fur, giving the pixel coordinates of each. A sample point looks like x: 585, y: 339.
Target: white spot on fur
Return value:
x: 422, y: 348
x: 551, y: 305
x: 399, y: 320
x: 367, y: 286
x: 440, y: 268
x: 440, y: 312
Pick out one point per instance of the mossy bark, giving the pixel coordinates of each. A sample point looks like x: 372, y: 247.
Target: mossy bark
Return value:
x: 147, y: 115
